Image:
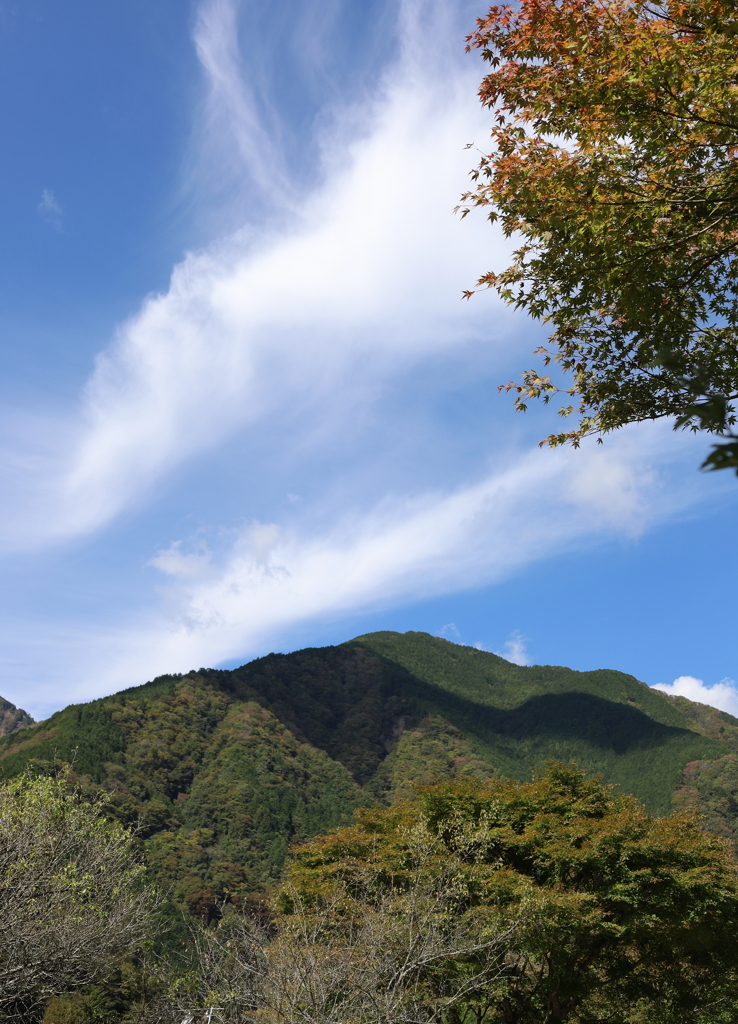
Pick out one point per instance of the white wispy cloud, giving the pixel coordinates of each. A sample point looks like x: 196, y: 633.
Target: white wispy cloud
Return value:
x: 50, y: 210
x: 306, y: 323
x: 364, y: 283
x: 235, y: 598
x: 232, y: 134
x: 275, y: 574
x: 722, y: 695
x: 367, y: 284
x: 515, y: 650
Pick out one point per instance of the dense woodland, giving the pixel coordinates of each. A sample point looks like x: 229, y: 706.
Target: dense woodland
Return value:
x: 216, y: 775
x: 221, y: 771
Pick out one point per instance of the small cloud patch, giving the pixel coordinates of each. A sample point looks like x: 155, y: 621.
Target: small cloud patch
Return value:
x: 722, y: 695
x: 515, y: 649
x: 50, y: 211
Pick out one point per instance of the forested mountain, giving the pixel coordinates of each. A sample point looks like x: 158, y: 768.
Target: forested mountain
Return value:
x: 223, y: 770
x: 12, y: 718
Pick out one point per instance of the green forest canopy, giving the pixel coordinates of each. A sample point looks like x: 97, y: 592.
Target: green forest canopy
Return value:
x: 223, y: 770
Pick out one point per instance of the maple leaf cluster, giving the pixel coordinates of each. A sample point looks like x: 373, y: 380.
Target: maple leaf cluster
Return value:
x: 615, y: 165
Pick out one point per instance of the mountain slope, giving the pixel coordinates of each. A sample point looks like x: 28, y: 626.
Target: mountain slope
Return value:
x: 219, y: 787
x: 12, y: 718
x: 224, y: 769
x: 354, y: 701
x: 518, y: 717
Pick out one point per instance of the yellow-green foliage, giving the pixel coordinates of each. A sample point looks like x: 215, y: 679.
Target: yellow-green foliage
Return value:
x: 609, y: 913
x: 73, y: 902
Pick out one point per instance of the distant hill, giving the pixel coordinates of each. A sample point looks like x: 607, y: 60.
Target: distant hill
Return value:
x: 12, y: 718
x: 223, y: 770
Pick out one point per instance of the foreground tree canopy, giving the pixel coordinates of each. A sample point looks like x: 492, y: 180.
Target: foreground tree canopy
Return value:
x: 585, y: 907
x: 550, y: 902
x: 73, y: 904
x: 615, y: 162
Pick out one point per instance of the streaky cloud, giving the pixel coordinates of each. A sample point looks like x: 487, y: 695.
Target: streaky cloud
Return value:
x: 232, y: 128
x: 242, y: 598
x: 362, y: 284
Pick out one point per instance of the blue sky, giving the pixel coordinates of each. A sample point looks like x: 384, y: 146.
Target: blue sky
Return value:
x: 244, y: 408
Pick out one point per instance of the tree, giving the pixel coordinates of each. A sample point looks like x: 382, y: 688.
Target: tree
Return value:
x: 603, y: 912
x: 73, y: 903
x: 364, y: 949
x: 615, y: 163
